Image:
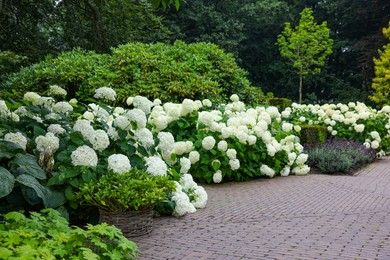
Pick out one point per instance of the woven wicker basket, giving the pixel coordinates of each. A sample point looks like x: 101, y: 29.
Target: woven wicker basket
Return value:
x: 132, y: 223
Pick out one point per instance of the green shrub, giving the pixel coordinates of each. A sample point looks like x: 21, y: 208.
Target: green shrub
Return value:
x: 46, y: 235
x: 134, y: 190
x: 312, y: 134
x: 338, y: 155
x: 280, y: 103
x: 169, y: 72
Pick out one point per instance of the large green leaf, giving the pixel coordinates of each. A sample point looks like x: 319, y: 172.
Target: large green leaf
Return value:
x: 56, y: 199
x: 28, y: 164
x: 9, y: 149
x: 7, y: 182
x: 41, y: 191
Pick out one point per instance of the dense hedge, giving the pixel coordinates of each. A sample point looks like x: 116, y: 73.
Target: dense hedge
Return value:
x: 313, y: 134
x: 169, y: 72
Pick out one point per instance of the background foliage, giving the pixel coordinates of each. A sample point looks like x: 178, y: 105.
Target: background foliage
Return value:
x: 169, y: 72
x: 247, y: 28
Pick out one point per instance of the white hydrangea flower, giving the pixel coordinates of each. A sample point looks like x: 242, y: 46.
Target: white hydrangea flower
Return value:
x: 138, y: 116
x: 367, y: 145
x: 222, y: 145
x: 187, y: 107
x: 105, y: 93
x: 265, y: 117
x: 185, y: 165
x: 271, y: 150
x: 85, y: 128
x: 142, y: 103
x: 129, y: 100
x: 287, y: 127
x: 241, y: 136
x: 119, y: 163
x: 227, y: 132
x: 301, y: 170
x: 46, y: 102
x: 89, y: 115
x: 47, y: 143
x: 266, y: 137
x: 375, y: 135
x: 266, y: 170
x: 302, y: 119
x: 100, y: 140
x: 157, y: 102
x: 32, y: 97
x: 359, y: 128
x: 182, y: 202
x: 166, y: 142
x: 252, y: 139
x: 234, y: 164
x: 119, y: 111
x: 187, y: 182
x: 16, y: 138
x: 374, y: 144
x: 182, y: 147
x: 122, y: 122
x: 217, y: 177
x: 208, y: 142
x: 297, y: 128
x: 194, y: 157
x: 84, y: 156
x: 112, y: 133
x: 62, y: 107
x: 291, y: 158
x: 286, y: 171
x: 73, y: 101
x: 206, y: 103
x: 385, y: 109
x: 21, y: 111
x: 201, y: 197
x: 55, y: 90
x: 234, y: 98
x: 101, y: 114
x: 273, y: 112
x: 144, y: 136
x: 231, y: 153
x: 156, y: 166
x: 301, y: 159
x: 286, y: 114
x: 334, y: 132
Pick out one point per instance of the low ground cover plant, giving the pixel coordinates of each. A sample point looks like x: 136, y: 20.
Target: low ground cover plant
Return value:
x: 47, y: 235
x: 339, y: 155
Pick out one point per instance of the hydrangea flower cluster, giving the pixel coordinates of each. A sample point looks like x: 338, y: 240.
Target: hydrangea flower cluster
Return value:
x: 353, y: 120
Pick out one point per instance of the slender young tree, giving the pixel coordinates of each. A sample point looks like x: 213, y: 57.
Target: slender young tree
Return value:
x: 306, y: 46
x: 381, y: 83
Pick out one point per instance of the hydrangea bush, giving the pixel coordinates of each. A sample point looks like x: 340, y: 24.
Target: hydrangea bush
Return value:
x: 228, y: 142
x: 69, y: 144
x: 348, y: 121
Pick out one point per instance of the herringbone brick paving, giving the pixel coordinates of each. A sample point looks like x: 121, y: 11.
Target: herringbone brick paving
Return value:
x: 297, y: 217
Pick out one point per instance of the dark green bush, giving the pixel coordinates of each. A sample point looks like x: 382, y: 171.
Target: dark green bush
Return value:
x: 312, y: 134
x: 339, y: 155
x: 169, y: 72
x: 280, y: 103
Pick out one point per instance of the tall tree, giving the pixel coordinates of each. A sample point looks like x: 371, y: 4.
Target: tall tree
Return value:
x: 381, y: 83
x: 306, y: 46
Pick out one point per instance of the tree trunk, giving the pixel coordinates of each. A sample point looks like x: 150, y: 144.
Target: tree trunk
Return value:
x: 300, y: 88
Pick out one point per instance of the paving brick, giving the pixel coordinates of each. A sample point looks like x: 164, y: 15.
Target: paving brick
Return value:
x: 297, y: 217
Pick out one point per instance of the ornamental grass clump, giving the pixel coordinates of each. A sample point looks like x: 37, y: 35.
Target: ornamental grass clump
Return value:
x: 339, y: 155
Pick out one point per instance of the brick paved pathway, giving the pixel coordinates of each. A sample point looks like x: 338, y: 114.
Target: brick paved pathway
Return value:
x: 297, y: 217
